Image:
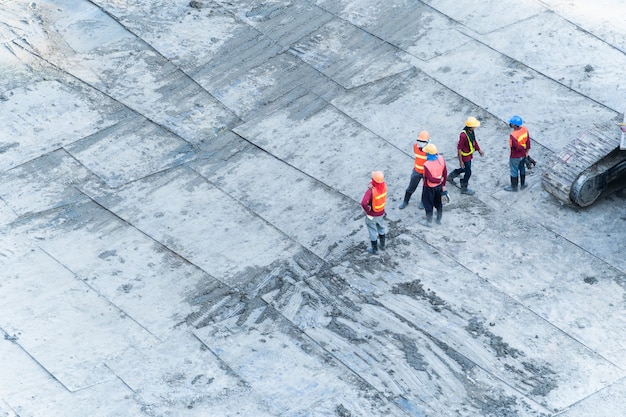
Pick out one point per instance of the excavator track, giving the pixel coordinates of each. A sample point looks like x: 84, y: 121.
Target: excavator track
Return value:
x: 583, y: 170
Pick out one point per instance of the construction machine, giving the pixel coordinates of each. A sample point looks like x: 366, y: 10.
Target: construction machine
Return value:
x: 592, y: 165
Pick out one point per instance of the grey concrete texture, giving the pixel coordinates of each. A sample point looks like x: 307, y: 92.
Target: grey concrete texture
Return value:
x: 180, y: 222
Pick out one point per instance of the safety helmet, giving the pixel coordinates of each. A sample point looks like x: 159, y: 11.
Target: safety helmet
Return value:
x: 378, y: 176
x: 430, y: 149
x: 424, y: 136
x: 472, y: 122
x: 516, y: 121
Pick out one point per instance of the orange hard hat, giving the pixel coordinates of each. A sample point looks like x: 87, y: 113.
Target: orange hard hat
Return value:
x: 378, y: 176
x: 423, y: 136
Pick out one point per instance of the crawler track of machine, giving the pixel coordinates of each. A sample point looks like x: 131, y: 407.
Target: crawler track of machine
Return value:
x: 589, y: 166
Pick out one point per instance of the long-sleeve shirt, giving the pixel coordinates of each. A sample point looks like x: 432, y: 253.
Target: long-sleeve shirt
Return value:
x: 366, y: 203
x: 464, y: 146
x: 517, y: 150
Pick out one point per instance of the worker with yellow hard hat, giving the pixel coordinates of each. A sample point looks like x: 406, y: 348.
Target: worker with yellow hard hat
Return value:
x: 466, y: 147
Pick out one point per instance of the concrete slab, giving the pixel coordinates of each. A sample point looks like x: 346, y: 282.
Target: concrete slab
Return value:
x: 71, y: 112
x: 60, y: 321
x: 44, y: 183
x: 610, y: 400
x: 181, y: 210
x: 534, y: 274
x: 194, y: 384
x: 301, y: 210
x: 419, y: 29
x: 505, y: 87
x: 322, y: 142
x: 152, y: 207
x: 479, y: 17
x: 151, y: 285
x: 112, y: 153
x: 124, y: 62
x: 592, y: 76
x: 603, y: 18
x: 333, y: 45
x: 305, y: 376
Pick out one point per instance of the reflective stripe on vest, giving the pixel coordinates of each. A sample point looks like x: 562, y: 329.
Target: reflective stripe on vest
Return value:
x: 521, y: 136
x: 379, y: 199
x: 435, y: 168
x: 420, y: 158
x: 471, y: 145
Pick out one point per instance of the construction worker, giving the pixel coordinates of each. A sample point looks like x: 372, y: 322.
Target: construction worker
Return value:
x: 466, y: 147
x: 519, y: 142
x: 373, y: 204
x: 434, y: 187
x: 418, y: 167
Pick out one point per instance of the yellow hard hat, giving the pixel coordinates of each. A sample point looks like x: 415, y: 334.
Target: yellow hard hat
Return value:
x: 423, y: 136
x: 378, y: 176
x: 430, y: 149
x: 472, y: 122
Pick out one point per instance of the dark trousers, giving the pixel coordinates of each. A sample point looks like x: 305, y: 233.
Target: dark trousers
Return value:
x: 416, y: 177
x: 467, y: 170
x: 431, y: 198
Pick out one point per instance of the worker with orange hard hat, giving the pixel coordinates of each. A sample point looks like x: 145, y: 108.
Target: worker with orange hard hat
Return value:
x: 373, y: 203
x: 417, y: 172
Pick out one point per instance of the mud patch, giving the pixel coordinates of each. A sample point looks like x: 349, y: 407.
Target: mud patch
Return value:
x: 476, y: 328
x: 415, y: 289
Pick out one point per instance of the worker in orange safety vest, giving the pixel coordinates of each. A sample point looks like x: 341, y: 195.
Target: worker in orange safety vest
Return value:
x: 417, y: 173
x: 519, y: 142
x: 434, y: 187
x: 373, y: 203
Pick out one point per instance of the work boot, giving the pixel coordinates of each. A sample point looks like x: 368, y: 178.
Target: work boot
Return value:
x: 428, y: 221
x: 382, y: 241
x: 405, y: 202
x: 522, y: 182
x: 374, y: 249
x: 465, y: 190
x: 452, y: 175
x: 513, y: 186
x: 439, y: 216
x: 421, y: 206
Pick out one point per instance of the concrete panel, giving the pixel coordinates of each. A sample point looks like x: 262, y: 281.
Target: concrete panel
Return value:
x: 308, y: 210
x: 130, y: 150
x: 124, y: 62
x: 151, y: 285
x: 479, y: 16
x: 577, y: 59
x: 348, y: 55
x: 322, y: 142
x: 60, y: 321
x: 317, y: 380
x: 47, y: 115
x: 44, y: 183
x: 195, y: 383
x: 412, y: 26
x: 504, y: 87
x: 181, y: 210
x: 603, y: 18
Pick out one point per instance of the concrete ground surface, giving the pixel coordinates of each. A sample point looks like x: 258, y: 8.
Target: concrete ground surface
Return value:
x: 180, y: 228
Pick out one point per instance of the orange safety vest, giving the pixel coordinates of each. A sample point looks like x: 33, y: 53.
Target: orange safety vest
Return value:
x: 420, y: 158
x: 379, y: 199
x: 521, y: 136
x: 435, y: 168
